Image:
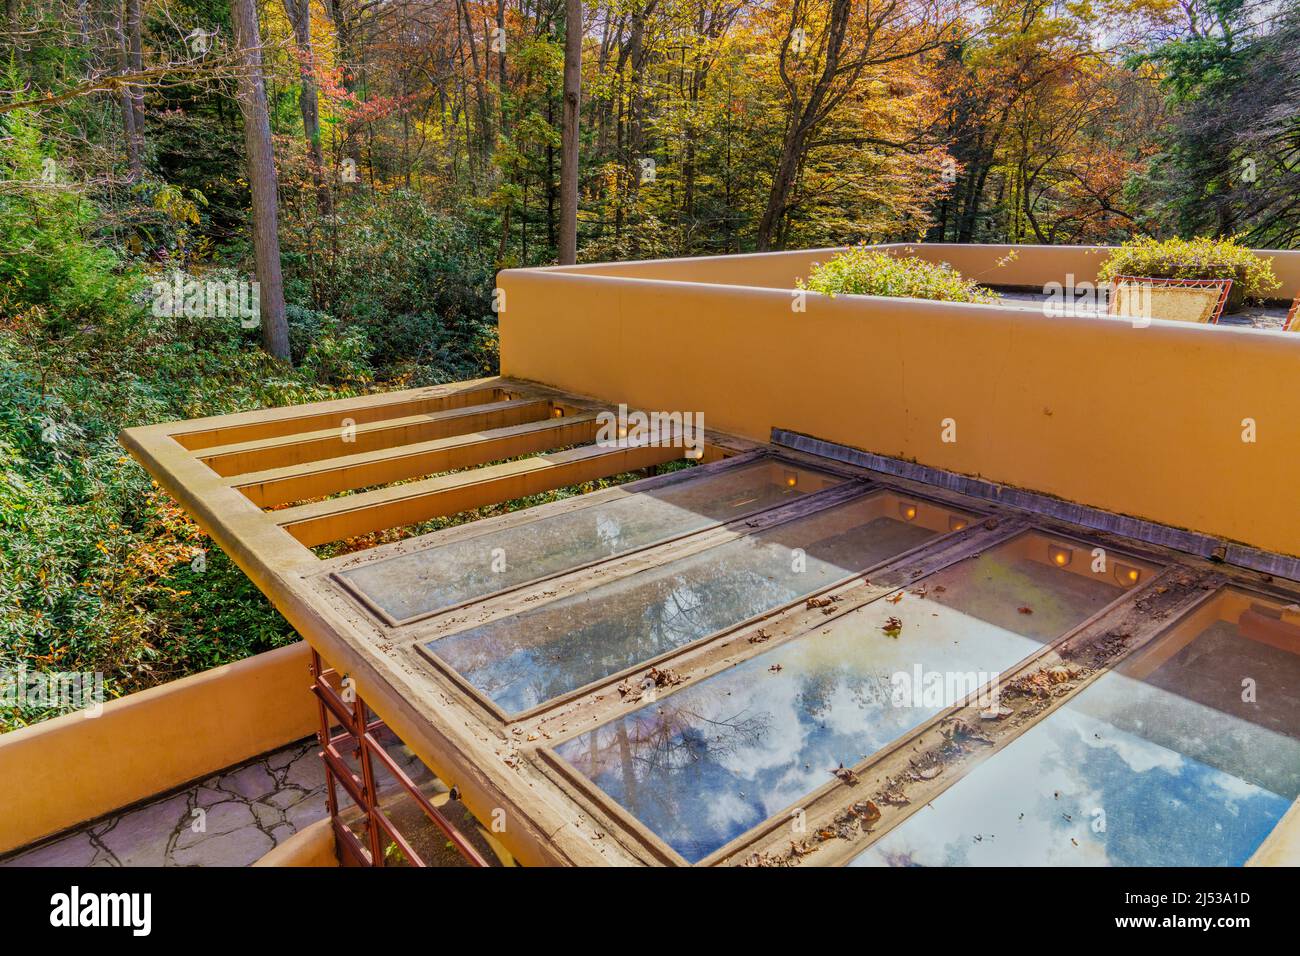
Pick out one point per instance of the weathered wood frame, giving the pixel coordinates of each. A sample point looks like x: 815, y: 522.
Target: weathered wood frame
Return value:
x: 505, y: 767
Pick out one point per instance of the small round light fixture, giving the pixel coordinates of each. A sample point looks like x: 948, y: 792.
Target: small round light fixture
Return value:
x: 791, y: 479
x: 557, y: 413
x: 1060, y: 555
x: 908, y: 510
x: 1127, y: 575
x: 956, y: 523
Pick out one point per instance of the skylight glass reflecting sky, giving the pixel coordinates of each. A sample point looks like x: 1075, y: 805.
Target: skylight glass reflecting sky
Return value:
x: 445, y: 575
x: 1160, y: 763
x: 714, y: 759
x: 532, y: 657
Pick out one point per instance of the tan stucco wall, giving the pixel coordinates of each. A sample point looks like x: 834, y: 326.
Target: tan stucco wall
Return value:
x: 1140, y: 421
x: 1004, y: 265
x: 71, y: 769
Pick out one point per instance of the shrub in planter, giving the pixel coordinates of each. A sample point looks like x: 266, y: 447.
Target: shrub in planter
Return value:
x: 866, y: 271
x: 1203, y: 258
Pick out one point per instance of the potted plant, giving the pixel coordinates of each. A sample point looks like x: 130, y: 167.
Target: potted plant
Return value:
x: 1201, y: 258
x: 863, y: 270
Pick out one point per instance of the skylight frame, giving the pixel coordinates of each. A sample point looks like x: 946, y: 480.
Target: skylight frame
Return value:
x: 816, y: 503
x: 1213, y: 587
x: 528, y: 516
x: 493, y: 762
x: 805, y: 629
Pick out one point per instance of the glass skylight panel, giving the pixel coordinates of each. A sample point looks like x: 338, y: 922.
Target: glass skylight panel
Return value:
x: 419, y: 583
x: 1187, y: 754
x: 712, y: 760
x: 525, y: 660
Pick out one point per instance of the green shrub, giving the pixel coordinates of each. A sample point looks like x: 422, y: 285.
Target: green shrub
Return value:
x: 331, y: 351
x: 863, y: 270
x: 418, y: 283
x: 1201, y: 258
x: 46, y: 260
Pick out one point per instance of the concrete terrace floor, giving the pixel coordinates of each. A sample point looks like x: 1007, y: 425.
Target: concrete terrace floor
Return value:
x: 247, y: 811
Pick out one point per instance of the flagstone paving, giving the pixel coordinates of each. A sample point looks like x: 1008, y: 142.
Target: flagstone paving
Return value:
x: 229, y: 819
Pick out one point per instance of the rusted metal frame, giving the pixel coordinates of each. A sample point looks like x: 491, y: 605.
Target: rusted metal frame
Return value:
x: 323, y: 732
x: 347, y: 846
x: 358, y: 736
x: 1108, y: 637
x: 368, y: 782
x: 368, y: 605
x: 435, y: 815
x: 388, y: 830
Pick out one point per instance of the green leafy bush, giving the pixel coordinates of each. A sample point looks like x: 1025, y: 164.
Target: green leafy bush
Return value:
x: 1201, y: 258
x: 417, y: 283
x: 329, y: 350
x: 863, y: 270
x: 99, y: 570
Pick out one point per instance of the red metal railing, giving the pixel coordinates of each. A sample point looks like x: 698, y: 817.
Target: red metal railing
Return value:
x: 357, y: 741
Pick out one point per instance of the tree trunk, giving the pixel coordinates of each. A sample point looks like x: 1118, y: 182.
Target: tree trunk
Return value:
x: 135, y: 64
x: 778, y: 197
x: 569, y: 138
x: 801, y: 122
x: 501, y: 65
x: 480, y: 92
x: 124, y: 96
x: 261, y: 178
x: 299, y: 14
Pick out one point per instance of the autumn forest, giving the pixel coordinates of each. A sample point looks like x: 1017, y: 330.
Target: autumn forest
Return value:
x: 371, y: 164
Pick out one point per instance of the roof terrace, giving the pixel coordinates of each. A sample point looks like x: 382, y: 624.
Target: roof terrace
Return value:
x: 937, y: 583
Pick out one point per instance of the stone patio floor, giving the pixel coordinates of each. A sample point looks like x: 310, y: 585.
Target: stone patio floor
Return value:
x: 230, y: 819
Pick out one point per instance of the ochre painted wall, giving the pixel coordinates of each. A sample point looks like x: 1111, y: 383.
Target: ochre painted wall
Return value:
x: 313, y: 845
x: 74, y: 768
x: 1140, y: 421
x: 1031, y: 266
